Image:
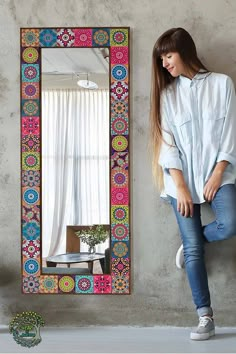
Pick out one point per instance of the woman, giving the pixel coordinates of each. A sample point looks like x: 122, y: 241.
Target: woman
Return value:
x: 193, y: 135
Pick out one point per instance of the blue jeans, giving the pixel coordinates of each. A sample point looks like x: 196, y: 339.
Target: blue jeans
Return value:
x: 194, y: 236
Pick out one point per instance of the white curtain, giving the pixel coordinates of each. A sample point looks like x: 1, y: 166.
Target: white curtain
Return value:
x: 75, y: 163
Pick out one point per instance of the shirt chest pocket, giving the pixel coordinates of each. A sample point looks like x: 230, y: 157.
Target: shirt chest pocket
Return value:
x: 183, y: 127
x: 213, y: 124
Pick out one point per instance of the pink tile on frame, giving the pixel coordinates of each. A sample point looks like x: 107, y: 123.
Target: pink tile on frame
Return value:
x: 83, y: 37
x: 30, y: 125
x: 119, y: 196
x: 119, y: 55
x: 102, y: 284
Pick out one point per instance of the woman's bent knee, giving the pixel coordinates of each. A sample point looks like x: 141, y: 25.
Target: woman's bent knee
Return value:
x: 227, y: 230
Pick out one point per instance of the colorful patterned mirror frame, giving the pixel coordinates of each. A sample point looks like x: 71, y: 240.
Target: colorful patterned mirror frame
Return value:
x: 117, y: 40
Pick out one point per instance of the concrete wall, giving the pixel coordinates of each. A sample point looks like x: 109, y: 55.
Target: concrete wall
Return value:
x: 160, y: 293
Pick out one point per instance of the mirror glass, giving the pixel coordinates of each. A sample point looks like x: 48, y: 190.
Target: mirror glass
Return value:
x: 75, y: 150
x: 75, y: 160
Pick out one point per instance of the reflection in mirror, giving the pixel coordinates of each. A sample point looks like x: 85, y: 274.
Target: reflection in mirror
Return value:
x: 75, y: 157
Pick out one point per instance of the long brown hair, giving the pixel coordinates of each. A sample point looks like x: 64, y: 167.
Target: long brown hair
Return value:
x: 173, y: 40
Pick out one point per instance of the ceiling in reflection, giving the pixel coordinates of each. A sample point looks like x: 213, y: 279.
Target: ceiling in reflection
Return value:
x: 63, y: 67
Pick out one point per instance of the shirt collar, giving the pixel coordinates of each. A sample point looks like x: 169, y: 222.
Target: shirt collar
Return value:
x: 196, y: 80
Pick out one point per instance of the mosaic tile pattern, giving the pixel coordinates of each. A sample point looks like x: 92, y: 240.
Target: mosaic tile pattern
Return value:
x: 83, y: 37
x: 117, y: 40
x: 48, y: 38
x: 65, y: 37
x: 48, y: 284
x: 31, y: 266
x: 119, y: 178
x: 30, y: 284
x: 30, y: 73
x: 101, y: 37
x: 66, y: 284
x: 102, y: 284
x: 84, y: 284
x: 31, y: 248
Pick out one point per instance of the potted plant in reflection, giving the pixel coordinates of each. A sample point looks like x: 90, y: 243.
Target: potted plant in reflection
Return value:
x: 93, y: 236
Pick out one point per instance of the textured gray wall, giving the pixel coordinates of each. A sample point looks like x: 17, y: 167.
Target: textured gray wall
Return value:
x: 160, y: 293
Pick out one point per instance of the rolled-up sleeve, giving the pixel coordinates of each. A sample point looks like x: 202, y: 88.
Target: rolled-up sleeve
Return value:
x: 227, y: 151
x: 169, y: 153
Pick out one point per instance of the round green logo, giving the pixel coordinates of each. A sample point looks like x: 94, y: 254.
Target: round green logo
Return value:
x: 25, y: 328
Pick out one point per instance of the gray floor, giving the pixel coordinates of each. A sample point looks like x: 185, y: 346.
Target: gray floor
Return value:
x: 122, y: 340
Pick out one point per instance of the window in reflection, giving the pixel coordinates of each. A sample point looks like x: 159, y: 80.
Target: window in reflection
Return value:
x: 75, y: 159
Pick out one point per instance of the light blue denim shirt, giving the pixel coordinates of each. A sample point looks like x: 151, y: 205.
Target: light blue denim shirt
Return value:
x: 199, y: 124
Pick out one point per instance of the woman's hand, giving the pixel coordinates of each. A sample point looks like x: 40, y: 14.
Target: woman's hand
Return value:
x: 214, y: 182
x: 212, y: 186
x: 184, y: 201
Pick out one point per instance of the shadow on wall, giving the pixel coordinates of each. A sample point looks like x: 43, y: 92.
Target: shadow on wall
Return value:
x: 221, y: 257
x: 8, y: 275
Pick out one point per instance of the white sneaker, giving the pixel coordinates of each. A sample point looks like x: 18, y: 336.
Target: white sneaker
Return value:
x: 205, y: 329
x: 179, y: 259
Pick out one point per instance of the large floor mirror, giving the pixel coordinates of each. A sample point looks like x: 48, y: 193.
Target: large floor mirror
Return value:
x: 75, y: 160
x: 75, y: 141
